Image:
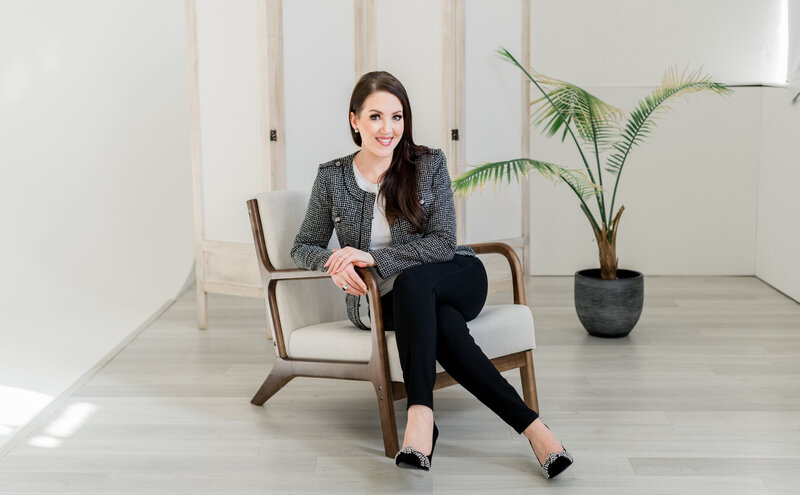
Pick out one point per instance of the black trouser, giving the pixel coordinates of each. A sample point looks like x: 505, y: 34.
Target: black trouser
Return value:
x: 428, y: 308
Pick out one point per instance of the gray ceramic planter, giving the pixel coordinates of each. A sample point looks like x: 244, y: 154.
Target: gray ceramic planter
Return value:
x: 609, y: 308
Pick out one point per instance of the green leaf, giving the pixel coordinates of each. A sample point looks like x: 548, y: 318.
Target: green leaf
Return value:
x: 478, y: 177
x: 641, y: 122
x: 596, y: 121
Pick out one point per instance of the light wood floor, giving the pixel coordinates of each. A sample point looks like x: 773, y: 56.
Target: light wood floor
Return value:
x: 702, y: 398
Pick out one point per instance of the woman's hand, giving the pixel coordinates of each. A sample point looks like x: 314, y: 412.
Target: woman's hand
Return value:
x: 340, y: 258
x: 348, y: 277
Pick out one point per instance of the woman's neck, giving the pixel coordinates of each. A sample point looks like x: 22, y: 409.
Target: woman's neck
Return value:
x: 370, y: 166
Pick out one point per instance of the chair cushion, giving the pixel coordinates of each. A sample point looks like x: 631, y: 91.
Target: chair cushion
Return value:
x: 499, y: 330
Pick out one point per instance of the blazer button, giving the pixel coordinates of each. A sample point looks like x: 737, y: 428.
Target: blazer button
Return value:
x: 337, y: 219
x: 338, y: 163
x: 422, y: 201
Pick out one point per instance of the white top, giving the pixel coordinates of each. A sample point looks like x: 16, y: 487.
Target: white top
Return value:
x: 381, y: 235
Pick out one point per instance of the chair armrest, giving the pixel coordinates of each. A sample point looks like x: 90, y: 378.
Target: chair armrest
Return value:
x: 517, y: 278
x: 269, y: 279
x: 296, y: 274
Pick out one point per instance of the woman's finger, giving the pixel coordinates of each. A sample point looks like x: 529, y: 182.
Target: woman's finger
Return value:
x: 334, y: 268
x: 338, y: 281
x: 332, y: 257
x: 356, y: 257
x: 328, y: 263
x: 345, y: 261
x: 340, y: 256
x: 353, y: 285
x: 354, y: 276
x: 336, y: 264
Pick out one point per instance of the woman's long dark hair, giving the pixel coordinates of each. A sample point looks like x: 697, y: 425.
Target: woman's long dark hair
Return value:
x: 399, y: 187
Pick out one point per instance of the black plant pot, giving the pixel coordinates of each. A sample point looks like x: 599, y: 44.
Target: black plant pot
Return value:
x: 609, y: 308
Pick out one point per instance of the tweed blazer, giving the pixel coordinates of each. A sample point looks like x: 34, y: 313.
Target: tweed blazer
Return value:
x: 338, y: 203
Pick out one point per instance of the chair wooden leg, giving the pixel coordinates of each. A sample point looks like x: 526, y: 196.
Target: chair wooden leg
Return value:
x: 383, y: 391
x: 529, y: 383
x: 277, y: 378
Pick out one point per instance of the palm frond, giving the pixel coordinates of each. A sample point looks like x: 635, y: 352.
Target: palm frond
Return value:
x: 498, y: 172
x: 641, y: 122
x: 596, y: 121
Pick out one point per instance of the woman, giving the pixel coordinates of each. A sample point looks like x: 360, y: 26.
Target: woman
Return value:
x: 392, y: 208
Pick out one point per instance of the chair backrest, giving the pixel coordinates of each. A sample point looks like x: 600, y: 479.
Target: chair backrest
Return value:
x: 300, y: 302
x: 282, y: 212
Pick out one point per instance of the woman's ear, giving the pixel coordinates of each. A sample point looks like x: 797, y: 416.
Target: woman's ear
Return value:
x: 353, y: 120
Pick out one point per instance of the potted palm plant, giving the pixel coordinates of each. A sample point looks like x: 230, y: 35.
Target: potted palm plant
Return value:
x: 608, y: 300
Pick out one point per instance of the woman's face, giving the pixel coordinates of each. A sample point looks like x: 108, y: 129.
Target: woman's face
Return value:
x: 380, y: 123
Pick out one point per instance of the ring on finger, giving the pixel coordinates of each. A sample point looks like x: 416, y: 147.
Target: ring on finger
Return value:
x: 345, y: 286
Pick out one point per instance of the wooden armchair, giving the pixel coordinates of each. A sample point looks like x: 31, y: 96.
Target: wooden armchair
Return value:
x: 313, y: 337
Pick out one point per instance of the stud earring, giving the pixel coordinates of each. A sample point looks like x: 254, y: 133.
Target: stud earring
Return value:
x: 356, y: 130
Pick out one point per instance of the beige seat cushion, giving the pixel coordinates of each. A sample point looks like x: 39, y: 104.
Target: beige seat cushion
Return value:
x: 499, y: 330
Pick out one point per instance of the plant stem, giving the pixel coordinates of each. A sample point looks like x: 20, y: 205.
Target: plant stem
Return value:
x: 583, y: 205
x: 601, y: 194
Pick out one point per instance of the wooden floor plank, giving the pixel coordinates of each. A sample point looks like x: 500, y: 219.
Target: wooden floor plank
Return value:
x: 702, y: 398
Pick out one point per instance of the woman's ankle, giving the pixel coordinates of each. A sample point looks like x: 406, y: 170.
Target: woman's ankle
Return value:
x: 529, y: 431
x: 419, y: 412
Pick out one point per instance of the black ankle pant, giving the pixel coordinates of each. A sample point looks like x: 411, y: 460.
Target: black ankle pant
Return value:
x: 428, y: 308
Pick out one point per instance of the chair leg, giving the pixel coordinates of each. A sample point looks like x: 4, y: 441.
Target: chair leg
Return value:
x: 529, y: 382
x: 277, y: 378
x: 383, y: 391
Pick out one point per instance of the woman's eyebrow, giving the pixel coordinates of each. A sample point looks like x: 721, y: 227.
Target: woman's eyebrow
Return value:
x: 378, y: 111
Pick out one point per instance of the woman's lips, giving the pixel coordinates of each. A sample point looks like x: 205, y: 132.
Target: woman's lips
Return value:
x: 385, y: 142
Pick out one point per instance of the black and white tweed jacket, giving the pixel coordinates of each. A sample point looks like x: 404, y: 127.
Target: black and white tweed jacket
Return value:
x: 337, y: 202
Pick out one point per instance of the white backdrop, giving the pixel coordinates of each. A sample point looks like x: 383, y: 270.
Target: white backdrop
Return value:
x: 95, y: 186
x: 409, y: 45
x: 493, y: 114
x: 690, y: 192
x: 631, y: 42
x: 230, y: 117
x: 319, y: 76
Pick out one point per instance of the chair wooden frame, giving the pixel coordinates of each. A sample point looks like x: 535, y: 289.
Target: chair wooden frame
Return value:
x: 376, y: 370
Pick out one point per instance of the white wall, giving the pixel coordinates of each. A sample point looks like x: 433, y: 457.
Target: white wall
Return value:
x: 778, y: 207
x: 777, y: 262
x: 631, y: 42
x: 230, y: 118
x: 691, y: 191
x: 95, y: 186
x: 319, y: 79
x: 493, y: 94
x: 409, y: 46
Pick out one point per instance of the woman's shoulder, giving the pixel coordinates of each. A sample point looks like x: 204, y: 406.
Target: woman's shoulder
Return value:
x: 428, y: 152
x: 337, y: 162
x: 429, y: 162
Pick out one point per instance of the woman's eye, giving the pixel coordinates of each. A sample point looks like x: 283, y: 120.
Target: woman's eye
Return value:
x: 375, y: 116
x: 398, y: 117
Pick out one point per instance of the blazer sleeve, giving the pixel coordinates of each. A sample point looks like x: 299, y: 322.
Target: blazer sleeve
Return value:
x: 438, y: 242
x: 310, y: 249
